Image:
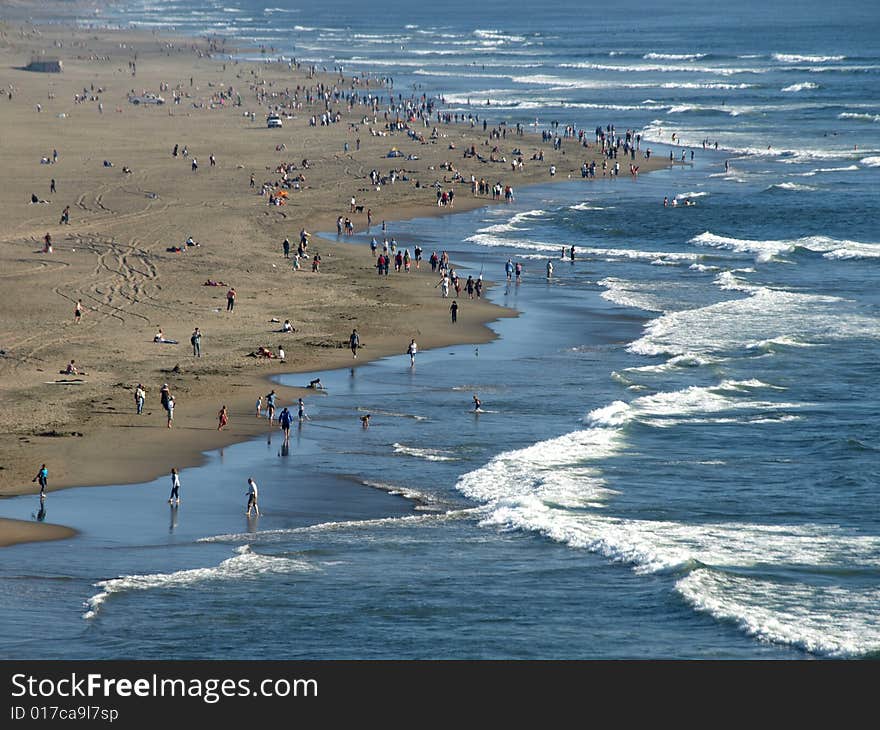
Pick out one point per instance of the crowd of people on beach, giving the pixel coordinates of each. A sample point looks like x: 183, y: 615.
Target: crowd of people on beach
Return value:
x: 382, y: 113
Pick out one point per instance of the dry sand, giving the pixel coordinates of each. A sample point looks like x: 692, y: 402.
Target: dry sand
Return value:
x: 113, y: 254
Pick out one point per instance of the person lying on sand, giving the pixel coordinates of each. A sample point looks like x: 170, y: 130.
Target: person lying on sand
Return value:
x: 160, y: 338
x: 263, y: 352
x: 211, y: 282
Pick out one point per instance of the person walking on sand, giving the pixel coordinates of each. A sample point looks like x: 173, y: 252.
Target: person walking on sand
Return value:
x: 222, y: 418
x: 411, y: 351
x: 453, y: 309
x: 230, y: 299
x: 169, y: 406
x: 52, y: 186
x: 252, y: 498
x: 65, y: 216
x: 78, y: 311
x: 140, y: 395
x: 270, y: 406
x: 196, y: 340
x: 444, y: 286
x: 175, y: 487
x: 285, y: 244
x: 354, y: 342
x: 285, y: 418
x: 43, y: 478
x: 259, y: 405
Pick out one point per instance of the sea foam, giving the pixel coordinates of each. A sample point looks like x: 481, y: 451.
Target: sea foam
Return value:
x: 246, y: 564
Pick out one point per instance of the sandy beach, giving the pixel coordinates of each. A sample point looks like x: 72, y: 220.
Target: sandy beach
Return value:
x: 130, y: 201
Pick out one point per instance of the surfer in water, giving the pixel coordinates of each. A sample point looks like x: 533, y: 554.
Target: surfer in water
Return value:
x: 477, y: 404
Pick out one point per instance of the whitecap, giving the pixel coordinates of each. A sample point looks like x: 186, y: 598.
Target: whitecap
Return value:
x: 791, y: 186
x: 798, y: 58
x: 244, y: 565
x: 804, y: 86
x: 859, y: 116
x: 424, y: 453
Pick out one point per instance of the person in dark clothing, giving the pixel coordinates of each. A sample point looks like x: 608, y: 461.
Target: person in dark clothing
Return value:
x: 43, y: 478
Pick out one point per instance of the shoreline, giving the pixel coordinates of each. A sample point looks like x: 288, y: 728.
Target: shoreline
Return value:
x: 131, y: 457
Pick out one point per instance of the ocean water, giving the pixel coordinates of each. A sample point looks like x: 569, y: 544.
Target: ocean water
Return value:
x: 678, y: 456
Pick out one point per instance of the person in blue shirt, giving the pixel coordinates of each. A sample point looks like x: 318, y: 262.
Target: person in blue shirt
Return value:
x: 43, y: 477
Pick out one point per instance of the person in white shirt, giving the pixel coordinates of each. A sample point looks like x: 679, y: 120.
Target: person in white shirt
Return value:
x: 175, y: 488
x: 252, y: 498
x: 411, y: 351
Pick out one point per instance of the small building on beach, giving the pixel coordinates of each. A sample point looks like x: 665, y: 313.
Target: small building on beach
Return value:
x: 45, y: 65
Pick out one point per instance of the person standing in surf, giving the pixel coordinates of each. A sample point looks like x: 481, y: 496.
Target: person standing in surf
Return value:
x: 252, y: 498
x: 411, y: 351
x: 285, y: 419
x: 175, y: 487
